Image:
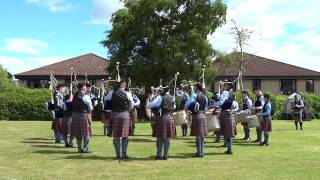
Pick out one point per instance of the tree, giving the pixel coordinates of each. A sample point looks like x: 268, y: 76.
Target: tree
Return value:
x: 242, y: 36
x: 5, y: 81
x: 155, y: 39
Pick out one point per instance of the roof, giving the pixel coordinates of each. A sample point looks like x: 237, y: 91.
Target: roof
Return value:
x: 89, y: 64
x: 260, y: 67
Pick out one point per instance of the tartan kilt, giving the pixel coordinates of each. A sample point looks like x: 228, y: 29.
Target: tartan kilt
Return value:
x: 227, y: 124
x: 66, y: 125
x: 132, y: 116
x: 80, y: 125
x: 266, y: 124
x: 165, y: 127
x: 199, y: 126
x: 120, y: 124
x: 56, y: 125
x: 90, y: 122
x: 105, y: 118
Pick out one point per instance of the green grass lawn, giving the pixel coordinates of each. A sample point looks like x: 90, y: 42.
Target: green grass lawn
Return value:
x: 27, y: 151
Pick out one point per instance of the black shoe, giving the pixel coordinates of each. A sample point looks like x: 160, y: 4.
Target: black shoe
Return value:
x: 66, y: 145
x: 244, y: 138
x: 217, y: 141
x: 57, y: 142
x: 224, y: 145
x: 257, y: 140
x: 158, y: 158
x: 228, y: 152
x: 80, y: 151
x: 70, y: 146
x: 118, y: 157
x: 262, y: 143
x: 125, y: 157
x: 165, y: 158
x: 196, y: 155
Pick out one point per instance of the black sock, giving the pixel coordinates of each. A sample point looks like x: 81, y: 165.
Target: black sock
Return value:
x: 300, y: 125
x: 296, y: 123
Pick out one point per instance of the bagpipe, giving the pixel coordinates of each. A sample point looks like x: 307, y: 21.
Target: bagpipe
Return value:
x: 53, y: 84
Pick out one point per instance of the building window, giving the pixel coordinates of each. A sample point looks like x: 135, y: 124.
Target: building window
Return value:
x: 288, y: 86
x: 256, y: 84
x: 43, y: 84
x: 310, y: 85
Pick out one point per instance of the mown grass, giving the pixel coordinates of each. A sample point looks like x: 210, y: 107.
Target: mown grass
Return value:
x: 27, y: 151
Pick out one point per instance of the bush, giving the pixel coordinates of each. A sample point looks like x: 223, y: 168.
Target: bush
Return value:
x: 24, y: 104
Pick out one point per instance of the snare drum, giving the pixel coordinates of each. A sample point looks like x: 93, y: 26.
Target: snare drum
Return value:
x: 180, y: 118
x: 213, y: 122
x: 253, y: 121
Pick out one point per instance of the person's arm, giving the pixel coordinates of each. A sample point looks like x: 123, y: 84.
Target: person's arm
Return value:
x: 87, y: 100
x: 155, y: 103
x: 268, y: 110
x: 249, y: 104
x: 130, y: 98
x: 137, y: 103
x: 235, y: 107
x: 190, y: 100
x: 224, y: 96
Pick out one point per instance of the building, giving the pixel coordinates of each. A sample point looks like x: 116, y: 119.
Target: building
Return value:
x: 270, y: 75
x: 88, y: 66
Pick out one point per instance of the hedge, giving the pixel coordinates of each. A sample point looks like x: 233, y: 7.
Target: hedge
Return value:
x: 29, y: 104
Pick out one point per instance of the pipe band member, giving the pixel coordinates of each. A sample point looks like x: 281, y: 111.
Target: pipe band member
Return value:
x: 258, y: 105
x: 80, y: 126
x: 134, y: 114
x: 246, y: 108
x: 183, y: 98
x: 94, y: 102
x: 58, y: 111
x: 197, y: 105
x: 297, y: 107
x: 66, y: 122
x: 121, y: 105
x: 107, y: 112
x: 266, y: 121
x: 164, y: 123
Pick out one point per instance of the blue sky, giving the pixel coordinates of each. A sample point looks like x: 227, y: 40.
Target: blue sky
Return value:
x: 39, y: 32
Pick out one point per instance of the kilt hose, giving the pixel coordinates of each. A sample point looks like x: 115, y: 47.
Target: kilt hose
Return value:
x: 266, y: 124
x: 56, y: 124
x: 120, y: 124
x: 199, y: 126
x: 66, y: 125
x: 80, y: 125
x: 227, y: 124
x: 164, y: 127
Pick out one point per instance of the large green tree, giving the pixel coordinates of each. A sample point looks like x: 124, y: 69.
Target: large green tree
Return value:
x: 5, y: 80
x: 155, y: 39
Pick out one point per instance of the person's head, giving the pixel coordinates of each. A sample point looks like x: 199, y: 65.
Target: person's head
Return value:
x: 258, y: 91
x: 199, y: 87
x: 266, y: 97
x: 61, y: 88
x: 122, y: 85
x: 245, y: 94
x: 164, y: 89
x: 88, y: 88
x: 81, y: 88
x: 227, y: 85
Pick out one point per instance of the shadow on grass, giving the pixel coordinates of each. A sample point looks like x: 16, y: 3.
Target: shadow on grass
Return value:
x: 39, y: 139
x: 104, y: 158
x: 142, y: 140
x: 36, y: 142
x: 142, y: 135
x: 54, y: 152
x: 48, y: 146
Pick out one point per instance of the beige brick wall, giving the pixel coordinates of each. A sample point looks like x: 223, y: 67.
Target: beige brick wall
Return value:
x: 247, y: 85
x: 317, y: 87
x: 271, y: 85
x: 301, y: 86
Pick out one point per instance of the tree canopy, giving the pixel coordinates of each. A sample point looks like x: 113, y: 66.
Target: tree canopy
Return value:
x: 155, y: 39
x: 5, y: 80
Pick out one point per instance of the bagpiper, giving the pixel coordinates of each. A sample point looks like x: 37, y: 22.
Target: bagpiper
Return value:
x: 81, y: 109
x: 164, y: 128
x: 66, y: 122
x: 266, y: 120
x: 58, y: 111
x: 297, y: 107
x: 246, y: 108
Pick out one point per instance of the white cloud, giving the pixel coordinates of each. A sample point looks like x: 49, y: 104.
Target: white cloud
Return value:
x: 284, y: 30
x: 17, y: 65
x: 27, y: 46
x: 103, y: 9
x: 53, y: 5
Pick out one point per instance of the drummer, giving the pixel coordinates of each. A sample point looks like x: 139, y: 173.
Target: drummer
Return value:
x: 266, y: 122
x: 197, y: 106
x: 183, y: 97
x: 258, y: 105
x: 246, y: 108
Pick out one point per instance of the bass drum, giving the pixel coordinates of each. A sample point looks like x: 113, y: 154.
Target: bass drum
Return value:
x: 213, y: 122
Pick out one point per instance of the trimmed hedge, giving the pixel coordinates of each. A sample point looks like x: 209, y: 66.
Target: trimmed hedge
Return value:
x: 24, y: 104
x: 29, y: 104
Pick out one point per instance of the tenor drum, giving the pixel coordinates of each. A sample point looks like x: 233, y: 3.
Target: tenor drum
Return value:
x: 213, y: 122
x: 253, y: 121
x: 241, y: 117
x: 180, y: 118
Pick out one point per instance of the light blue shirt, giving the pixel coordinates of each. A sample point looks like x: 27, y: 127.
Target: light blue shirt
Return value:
x: 223, y: 97
x: 155, y: 103
x: 192, y: 99
x: 268, y: 110
x: 87, y: 100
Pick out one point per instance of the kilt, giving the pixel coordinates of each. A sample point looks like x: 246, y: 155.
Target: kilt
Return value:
x: 56, y: 124
x: 132, y: 117
x: 105, y: 118
x: 120, y: 124
x: 266, y: 124
x: 297, y: 116
x: 165, y: 127
x: 66, y: 124
x: 80, y: 125
x: 227, y: 124
x: 199, y: 126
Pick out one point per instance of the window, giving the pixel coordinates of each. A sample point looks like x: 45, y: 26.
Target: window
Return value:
x: 288, y: 86
x: 310, y: 85
x: 44, y: 84
x: 256, y: 84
